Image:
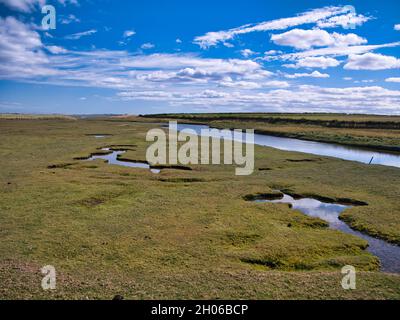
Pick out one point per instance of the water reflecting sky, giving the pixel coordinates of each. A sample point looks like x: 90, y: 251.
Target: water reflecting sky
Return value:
x: 112, y: 159
x: 317, y: 148
x: 389, y: 254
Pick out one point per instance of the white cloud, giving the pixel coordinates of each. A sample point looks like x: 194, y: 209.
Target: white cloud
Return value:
x: 270, y: 55
x: 349, y: 39
x: 65, y: 2
x: 397, y: 27
x: 347, y: 78
x: 56, y: 49
x: 272, y: 52
x: 302, y: 39
x: 346, y: 21
x: 178, y: 40
x: 313, y: 16
x: 394, y: 79
x: 314, y: 62
x: 303, y: 98
x: 69, y: 19
x: 247, y: 53
x: 189, y: 69
x: 176, y: 79
x: 23, y: 5
x: 238, y: 67
x: 276, y: 84
x: 306, y: 39
x: 338, y: 51
x: 79, y: 35
x: 241, y: 84
x: 24, y: 56
x: 21, y: 50
x: 128, y: 33
x: 314, y: 74
x: 31, y: 5
x: 147, y: 45
x: 371, y: 61
x: 254, y: 85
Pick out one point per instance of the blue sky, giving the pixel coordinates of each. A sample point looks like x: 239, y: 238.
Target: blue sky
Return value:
x: 200, y: 56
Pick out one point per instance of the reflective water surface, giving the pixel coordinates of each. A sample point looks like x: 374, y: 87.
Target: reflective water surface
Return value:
x: 317, y: 148
x: 388, y: 254
x: 112, y: 159
x: 99, y: 135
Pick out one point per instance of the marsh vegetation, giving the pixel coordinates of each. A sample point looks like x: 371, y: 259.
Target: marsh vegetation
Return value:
x: 111, y: 229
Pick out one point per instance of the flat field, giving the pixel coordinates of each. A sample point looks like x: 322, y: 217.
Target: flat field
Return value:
x: 180, y: 234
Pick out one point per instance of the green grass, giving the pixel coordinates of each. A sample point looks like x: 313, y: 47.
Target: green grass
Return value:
x: 179, y: 234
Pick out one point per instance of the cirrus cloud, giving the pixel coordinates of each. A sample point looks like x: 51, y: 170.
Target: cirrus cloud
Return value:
x: 76, y: 36
x: 69, y: 19
x: 186, y: 79
x: 317, y: 16
x: 345, y: 21
x: 337, y: 51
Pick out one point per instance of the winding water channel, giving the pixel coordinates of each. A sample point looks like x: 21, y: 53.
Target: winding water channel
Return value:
x: 317, y: 148
x: 112, y: 158
x: 388, y: 254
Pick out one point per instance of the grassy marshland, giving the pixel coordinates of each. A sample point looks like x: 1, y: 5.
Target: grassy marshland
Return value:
x: 369, y: 131
x: 179, y: 234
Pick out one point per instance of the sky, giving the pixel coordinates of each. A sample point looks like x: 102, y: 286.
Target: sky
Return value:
x: 141, y: 57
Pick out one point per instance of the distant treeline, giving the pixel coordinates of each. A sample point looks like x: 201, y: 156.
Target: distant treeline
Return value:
x: 355, y: 121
